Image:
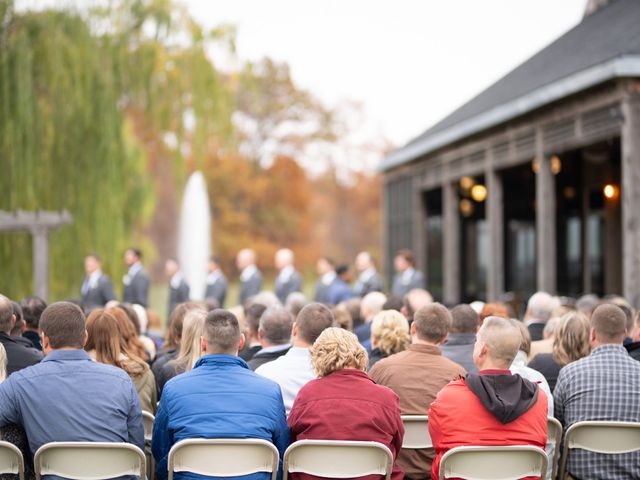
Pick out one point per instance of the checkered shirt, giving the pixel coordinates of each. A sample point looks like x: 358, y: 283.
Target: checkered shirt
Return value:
x: 603, y: 386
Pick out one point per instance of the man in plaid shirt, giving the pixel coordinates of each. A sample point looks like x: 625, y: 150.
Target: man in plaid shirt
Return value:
x: 603, y: 386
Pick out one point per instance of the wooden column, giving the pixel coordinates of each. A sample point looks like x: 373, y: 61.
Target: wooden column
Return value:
x: 419, y: 228
x: 451, y: 244
x: 495, y: 219
x: 631, y: 194
x: 545, y: 221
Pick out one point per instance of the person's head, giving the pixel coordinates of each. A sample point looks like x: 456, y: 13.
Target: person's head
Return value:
x: 312, y: 320
x: 103, y: 337
x: 372, y: 305
x: 353, y: 307
x: 493, y: 310
x: 132, y: 255
x: 132, y: 315
x: 295, y: 302
x: 265, y: 298
x: 222, y: 333
x: 342, y: 316
x: 540, y: 306
x: 364, y: 261
x: 525, y: 336
x: 344, y: 272
x: 191, y: 348
x: 404, y: 259
x: 497, y: 344
x: 7, y: 318
x: 214, y: 264
x: 171, y: 267
x: 587, y: 304
x: 275, y: 327
x: 390, y: 332
x: 464, y: 319
x: 63, y: 327
x: 18, y: 327
x: 414, y: 300
x: 394, y: 302
x: 128, y: 332
x: 325, y: 265
x: 92, y: 263
x: 252, y: 320
x: 608, y: 325
x: 626, y: 308
x: 549, y: 329
x: 336, y: 349
x: 245, y: 258
x: 571, y: 340
x: 32, y: 308
x: 3, y: 363
x: 431, y: 324
x: 283, y: 258
x: 174, y: 332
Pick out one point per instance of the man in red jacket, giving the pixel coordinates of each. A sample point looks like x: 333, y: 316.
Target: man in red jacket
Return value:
x: 491, y: 407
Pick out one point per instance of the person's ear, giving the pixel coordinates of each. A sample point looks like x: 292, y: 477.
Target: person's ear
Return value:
x: 593, y: 334
x: 242, y: 342
x: 13, y: 321
x: 45, y: 343
x: 203, y: 345
x: 85, y: 337
x: 294, y: 330
x: 260, y: 334
x: 443, y: 339
x: 413, y: 329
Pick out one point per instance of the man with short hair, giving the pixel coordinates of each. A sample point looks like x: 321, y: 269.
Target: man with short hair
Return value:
x: 603, y: 386
x: 19, y: 326
x: 68, y: 396
x: 252, y: 324
x: 96, y: 289
x: 19, y: 355
x: 417, y: 375
x: 250, y: 276
x: 288, y: 280
x: 493, y: 406
x: 216, y: 283
x: 32, y: 308
x: 136, y: 281
x: 294, y: 369
x: 220, y: 398
x: 413, y: 301
x: 462, y: 338
x: 539, y: 309
x: 407, y: 277
x: 369, y: 279
x: 274, y: 334
x: 178, y: 286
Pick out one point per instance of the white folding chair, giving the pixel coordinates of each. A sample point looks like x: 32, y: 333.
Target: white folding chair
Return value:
x: 11, y: 460
x: 223, y: 457
x: 416, y: 432
x: 147, y: 420
x: 554, y: 438
x: 494, y: 462
x: 337, y: 459
x: 600, y: 437
x: 89, y: 460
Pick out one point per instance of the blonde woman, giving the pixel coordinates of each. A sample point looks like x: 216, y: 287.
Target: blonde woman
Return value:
x: 190, y: 347
x: 571, y: 342
x: 389, y: 335
x: 344, y: 403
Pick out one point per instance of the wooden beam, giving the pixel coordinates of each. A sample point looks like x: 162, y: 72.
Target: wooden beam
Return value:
x: 451, y: 244
x: 545, y: 220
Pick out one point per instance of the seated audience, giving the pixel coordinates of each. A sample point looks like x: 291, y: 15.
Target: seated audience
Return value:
x: 371, y: 305
x: 634, y: 346
x: 394, y: 302
x: 19, y: 326
x: 294, y: 303
x: 571, y: 342
x: 603, y: 386
x: 144, y: 346
x: 587, y: 304
x: 105, y: 344
x: 294, y: 369
x: 353, y: 307
x: 32, y: 308
x: 344, y: 403
x: 389, y: 335
x: 546, y: 344
x: 220, y: 397
x: 417, y: 375
x: 75, y: 398
x: 415, y: 300
x: 539, y: 308
x: 171, y: 348
x: 493, y: 406
x: 274, y: 334
x: 19, y: 355
x: 459, y: 344
x: 493, y: 310
x: 252, y: 324
x: 343, y: 317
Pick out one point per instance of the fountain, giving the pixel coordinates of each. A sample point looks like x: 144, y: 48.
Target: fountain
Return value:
x: 194, y: 239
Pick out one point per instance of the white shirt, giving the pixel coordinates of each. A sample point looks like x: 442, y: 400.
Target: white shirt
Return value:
x: 366, y: 275
x: 176, y: 279
x: 213, y: 277
x: 519, y: 366
x: 292, y: 371
x: 248, y: 272
x: 285, y: 273
x: 328, y: 277
x: 407, y: 275
x: 91, y: 281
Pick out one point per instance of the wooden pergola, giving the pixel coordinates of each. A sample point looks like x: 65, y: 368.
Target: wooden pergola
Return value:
x: 39, y: 223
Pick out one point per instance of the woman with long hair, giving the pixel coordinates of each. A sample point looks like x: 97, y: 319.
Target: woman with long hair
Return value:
x: 128, y: 332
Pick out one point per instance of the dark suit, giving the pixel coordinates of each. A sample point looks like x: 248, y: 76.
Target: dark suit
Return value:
x: 19, y: 356
x: 535, y: 330
x: 216, y: 289
x: 402, y: 287
x: 321, y: 290
x: 371, y: 284
x: 98, y: 294
x: 248, y: 352
x: 337, y: 292
x: 250, y: 287
x: 178, y: 294
x: 263, y: 357
x: 136, y: 288
x: 292, y: 284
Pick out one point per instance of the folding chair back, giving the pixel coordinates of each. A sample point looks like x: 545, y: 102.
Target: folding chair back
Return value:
x: 554, y: 437
x: 338, y: 459
x: 11, y: 460
x: 601, y: 437
x: 223, y: 457
x: 147, y: 420
x: 416, y: 432
x: 494, y: 463
x: 89, y: 460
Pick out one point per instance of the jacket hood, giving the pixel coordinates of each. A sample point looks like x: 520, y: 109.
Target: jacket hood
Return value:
x: 506, y: 396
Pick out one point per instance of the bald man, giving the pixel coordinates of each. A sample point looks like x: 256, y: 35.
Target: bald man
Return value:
x: 288, y: 279
x: 506, y: 408
x: 250, y: 276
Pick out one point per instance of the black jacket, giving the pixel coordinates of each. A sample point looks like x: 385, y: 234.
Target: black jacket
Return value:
x: 263, y: 357
x: 19, y: 356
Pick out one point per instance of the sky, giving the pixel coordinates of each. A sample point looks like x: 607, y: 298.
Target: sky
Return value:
x: 408, y: 63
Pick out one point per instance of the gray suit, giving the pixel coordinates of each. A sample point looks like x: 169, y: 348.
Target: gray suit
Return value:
x: 217, y: 290
x: 371, y: 284
x: 177, y: 295
x: 96, y: 296
x: 250, y: 287
x: 292, y: 284
x: 401, y: 286
x: 137, y: 288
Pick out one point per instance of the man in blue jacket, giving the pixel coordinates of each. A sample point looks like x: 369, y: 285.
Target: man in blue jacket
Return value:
x: 220, y: 398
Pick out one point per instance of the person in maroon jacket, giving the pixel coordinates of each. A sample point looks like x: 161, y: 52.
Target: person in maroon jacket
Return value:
x: 344, y: 403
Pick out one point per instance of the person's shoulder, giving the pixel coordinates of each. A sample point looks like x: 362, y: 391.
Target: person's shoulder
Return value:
x: 454, y: 390
x: 448, y: 364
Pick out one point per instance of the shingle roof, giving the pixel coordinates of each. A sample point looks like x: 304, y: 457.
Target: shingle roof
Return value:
x: 609, y: 34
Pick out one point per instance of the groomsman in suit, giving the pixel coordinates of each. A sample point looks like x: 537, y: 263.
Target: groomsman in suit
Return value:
x: 327, y: 271
x: 136, y: 281
x: 250, y: 276
x: 178, y: 287
x: 96, y: 289
x: 369, y: 279
x: 407, y: 277
x: 216, y: 283
x: 288, y: 280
